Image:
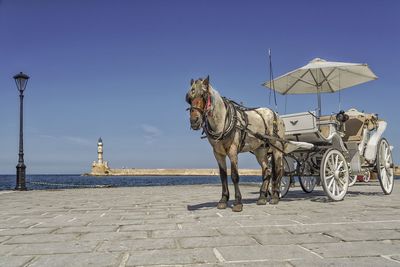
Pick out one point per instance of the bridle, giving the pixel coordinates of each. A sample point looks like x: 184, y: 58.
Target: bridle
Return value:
x: 229, y: 121
x: 206, y: 110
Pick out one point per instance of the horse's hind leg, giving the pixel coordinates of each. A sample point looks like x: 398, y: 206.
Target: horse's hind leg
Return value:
x: 262, y: 158
x: 221, y: 159
x: 233, y: 156
x: 277, y: 157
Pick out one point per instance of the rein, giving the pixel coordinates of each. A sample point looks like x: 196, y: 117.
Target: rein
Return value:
x: 231, y: 124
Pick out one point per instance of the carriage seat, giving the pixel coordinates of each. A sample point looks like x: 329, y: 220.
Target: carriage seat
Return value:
x: 353, y: 127
x: 327, y: 124
x: 307, y: 127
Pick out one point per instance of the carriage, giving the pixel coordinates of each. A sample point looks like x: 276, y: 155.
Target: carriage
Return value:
x: 333, y: 150
x: 320, y: 150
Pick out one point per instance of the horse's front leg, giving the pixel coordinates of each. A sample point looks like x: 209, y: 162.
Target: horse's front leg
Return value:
x: 237, y: 205
x: 221, y: 159
x: 278, y: 170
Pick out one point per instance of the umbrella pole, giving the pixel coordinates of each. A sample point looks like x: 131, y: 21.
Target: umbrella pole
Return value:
x: 319, y: 102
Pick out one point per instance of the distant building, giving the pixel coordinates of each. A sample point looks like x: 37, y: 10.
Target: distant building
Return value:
x: 100, y: 166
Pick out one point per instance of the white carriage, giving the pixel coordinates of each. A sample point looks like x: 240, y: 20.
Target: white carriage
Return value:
x: 333, y: 150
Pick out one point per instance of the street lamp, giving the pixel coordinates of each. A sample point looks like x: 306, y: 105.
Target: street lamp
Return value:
x: 21, y: 80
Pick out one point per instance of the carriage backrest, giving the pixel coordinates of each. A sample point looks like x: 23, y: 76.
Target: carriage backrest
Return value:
x: 353, y: 127
x: 300, y: 123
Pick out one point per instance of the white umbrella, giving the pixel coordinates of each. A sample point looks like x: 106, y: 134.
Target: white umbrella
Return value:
x: 321, y: 76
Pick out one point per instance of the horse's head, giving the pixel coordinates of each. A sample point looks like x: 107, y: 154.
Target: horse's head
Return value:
x: 197, y: 97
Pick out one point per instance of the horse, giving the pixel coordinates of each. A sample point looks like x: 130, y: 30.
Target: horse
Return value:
x: 232, y: 129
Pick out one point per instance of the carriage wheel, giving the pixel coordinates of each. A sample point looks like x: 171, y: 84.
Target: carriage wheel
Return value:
x: 307, y: 183
x: 284, y: 187
x: 366, y: 177
x: 384, y: 164
x: 352, y: 179
x: 285, y: 184
x: 285, y: 181
x: 334, y: 174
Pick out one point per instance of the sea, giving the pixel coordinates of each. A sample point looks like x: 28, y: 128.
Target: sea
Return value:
x: 63, y: 181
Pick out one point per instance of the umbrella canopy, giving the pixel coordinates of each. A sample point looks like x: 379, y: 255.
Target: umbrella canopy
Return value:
x: 321, y: 76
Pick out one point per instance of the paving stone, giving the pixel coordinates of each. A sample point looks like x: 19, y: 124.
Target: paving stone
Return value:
x: 172, y: 257
x: 184, y: 233
x: 54, y: 248
x: 147, y: 227
x: 354, y: 249
x: 4, y: 238
x: 259, y: 230
x: 78, y: 260
x: 139, y: 244
x: 287, y: 239
x: 14, y: 261
x: 266, y: 263
x: 395, y: 257
x: 346, y: 262
x: 116, y: 222
x: 26, y: 231
x: 368, y: 235
x: 5, y: 249
x: 254, y: 253
x: 87, y: 229
x: 41, y: 238
x: 180, y: 225
x: 219, y: 241
x: 110, y: 236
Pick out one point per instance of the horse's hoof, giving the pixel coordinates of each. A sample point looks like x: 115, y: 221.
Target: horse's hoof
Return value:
x: 262, y: 201
x: 274, y: 201
x: 237, y: 208
x: 221, y: 205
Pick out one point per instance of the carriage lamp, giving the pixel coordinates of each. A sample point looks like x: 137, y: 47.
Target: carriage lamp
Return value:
x: 21, y: 80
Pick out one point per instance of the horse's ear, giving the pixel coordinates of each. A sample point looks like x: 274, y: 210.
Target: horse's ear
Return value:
x: 191, y: 82
x: 206, y: 81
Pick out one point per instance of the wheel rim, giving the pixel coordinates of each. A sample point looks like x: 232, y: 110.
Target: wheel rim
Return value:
x: 285, y: 184
x: 385, y: 166
x: 335, y: 175
x: 367, y: 177
x: 308, y: 183
x: 352, y: 180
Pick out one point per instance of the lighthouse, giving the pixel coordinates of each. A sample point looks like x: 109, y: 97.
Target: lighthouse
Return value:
x: 100, y: 167
x: 100, y: 151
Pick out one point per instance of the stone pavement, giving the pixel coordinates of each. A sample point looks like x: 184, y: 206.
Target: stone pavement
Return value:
x: 179, y: 225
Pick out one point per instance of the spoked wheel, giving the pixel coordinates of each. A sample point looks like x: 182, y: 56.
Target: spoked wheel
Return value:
x: 366, y: 177
x: 285, y: 184
x: 307, y: 183
x: 285, y: 180
x: 352, y: 179
x: 384, y: 164
x: 284, y: 188
x: 334, y: 174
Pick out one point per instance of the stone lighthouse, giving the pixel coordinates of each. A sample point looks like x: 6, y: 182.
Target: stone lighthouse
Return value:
x: 100, y: 167
x: 100, y: 151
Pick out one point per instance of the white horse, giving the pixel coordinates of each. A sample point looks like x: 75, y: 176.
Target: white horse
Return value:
x: 232, y: 129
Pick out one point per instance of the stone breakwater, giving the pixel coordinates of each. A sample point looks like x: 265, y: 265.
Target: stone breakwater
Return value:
x: 166, y: 172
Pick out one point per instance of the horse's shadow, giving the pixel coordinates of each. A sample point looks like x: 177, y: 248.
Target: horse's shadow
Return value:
x: 212, y: 205
x: 315, y: 196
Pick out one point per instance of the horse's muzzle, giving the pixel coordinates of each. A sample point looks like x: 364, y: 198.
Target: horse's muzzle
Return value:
x: 195, y: 123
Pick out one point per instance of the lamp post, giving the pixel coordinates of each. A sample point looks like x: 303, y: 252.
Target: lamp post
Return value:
x: 21, y: 80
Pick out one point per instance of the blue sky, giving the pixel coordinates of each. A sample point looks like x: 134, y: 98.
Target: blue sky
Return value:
x: 120, y: 70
